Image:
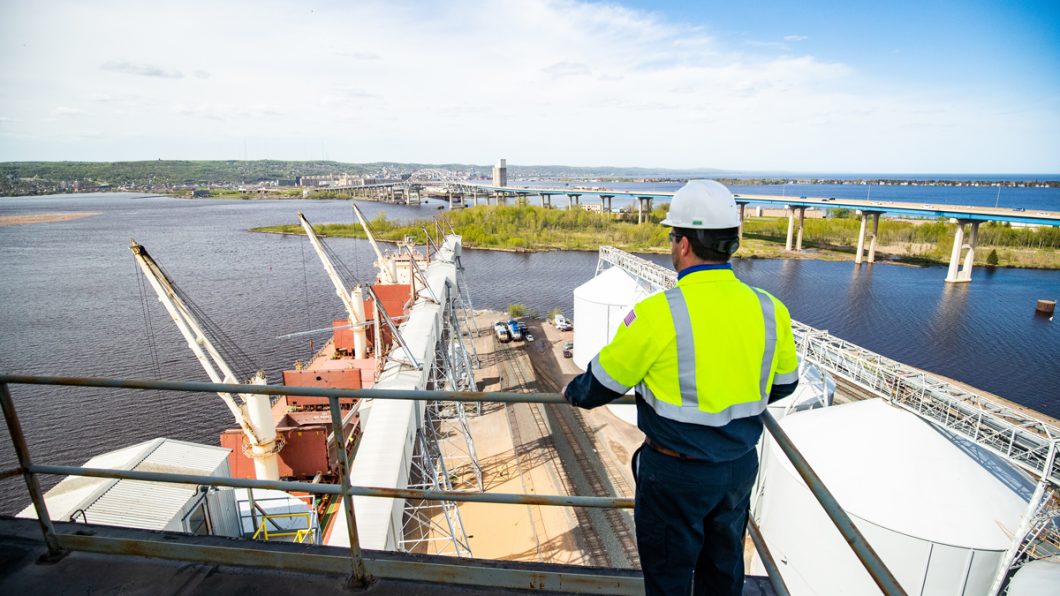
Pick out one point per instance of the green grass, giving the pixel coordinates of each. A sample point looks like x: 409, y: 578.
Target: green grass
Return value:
x: 530, y: 228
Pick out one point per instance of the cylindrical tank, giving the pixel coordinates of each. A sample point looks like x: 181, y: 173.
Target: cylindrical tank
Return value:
x: 938, y: 509
x: 600, y: 304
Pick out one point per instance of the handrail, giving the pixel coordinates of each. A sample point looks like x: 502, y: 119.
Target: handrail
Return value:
x: 199, y: 387
x: 298, y: 533
x: 868, y: 557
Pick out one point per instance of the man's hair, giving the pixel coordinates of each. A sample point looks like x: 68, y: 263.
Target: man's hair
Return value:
x: 712, y: 245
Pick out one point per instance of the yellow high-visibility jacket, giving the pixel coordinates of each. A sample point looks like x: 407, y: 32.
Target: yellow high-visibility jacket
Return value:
x: 705, y: 352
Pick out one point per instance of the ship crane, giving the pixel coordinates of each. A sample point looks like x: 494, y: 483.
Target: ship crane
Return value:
x: 352, y: 300
x: 254, y: 414
x: 387, y: 267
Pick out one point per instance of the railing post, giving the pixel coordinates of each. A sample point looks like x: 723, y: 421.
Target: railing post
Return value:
x: 360, y: 576
x: 18, y: 439
x: 772, y: 571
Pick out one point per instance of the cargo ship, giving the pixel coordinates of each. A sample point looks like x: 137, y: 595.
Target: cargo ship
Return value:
x: 394, y: 327
x: 955, y: 493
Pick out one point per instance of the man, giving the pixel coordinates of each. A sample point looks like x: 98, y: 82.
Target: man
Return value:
x: 705, y: 358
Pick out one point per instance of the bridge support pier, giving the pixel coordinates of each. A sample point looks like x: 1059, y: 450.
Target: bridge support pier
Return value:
x: 605, y: 203
x: 791, y: 228
x: 572, y: 200
x: 956, y: 273
x: 742, y: 211
x: 641, y: 203
x: 873, y: 237
x: 546, y: 201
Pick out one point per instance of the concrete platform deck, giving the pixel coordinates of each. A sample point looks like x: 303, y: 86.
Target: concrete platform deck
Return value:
x: 129, y: 572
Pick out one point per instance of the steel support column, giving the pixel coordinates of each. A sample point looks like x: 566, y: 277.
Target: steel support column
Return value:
x: 36, y: 495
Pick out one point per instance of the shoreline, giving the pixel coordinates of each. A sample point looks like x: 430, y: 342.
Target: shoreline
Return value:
x: 811, y: 254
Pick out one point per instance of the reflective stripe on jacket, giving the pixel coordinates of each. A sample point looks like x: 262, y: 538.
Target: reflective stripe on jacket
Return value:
x: 705, y: 352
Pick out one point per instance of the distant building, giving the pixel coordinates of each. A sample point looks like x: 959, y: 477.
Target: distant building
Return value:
x: 200, y: 194
x: 500, y: 173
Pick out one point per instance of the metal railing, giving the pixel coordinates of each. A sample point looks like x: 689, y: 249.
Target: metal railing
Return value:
x: 299, y: 534
x: 359, y: 576
x: 1021, y: 439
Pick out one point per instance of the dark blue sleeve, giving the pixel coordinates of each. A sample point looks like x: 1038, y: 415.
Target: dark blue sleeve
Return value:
x: 782, y: 391
x: 586, y: 392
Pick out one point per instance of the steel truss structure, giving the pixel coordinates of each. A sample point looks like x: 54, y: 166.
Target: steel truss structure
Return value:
x: 1022, y: 440
x: 436, y: 526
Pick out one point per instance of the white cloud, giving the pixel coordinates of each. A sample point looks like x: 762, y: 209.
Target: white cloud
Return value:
x: 566, y: 69
x: 67, y: 111
x: 143, y: 70
x: 472, y: 80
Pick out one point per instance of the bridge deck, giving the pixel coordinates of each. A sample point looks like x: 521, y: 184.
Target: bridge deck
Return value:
x: 918, y: 208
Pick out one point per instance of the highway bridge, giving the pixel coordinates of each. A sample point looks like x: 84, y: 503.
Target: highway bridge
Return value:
x: 965, y: 216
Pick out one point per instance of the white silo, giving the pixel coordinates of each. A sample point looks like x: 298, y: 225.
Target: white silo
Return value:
x: 939, y: 510
x: 600, y: 304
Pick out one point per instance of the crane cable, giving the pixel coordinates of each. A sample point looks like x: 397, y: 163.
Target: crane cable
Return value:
x: 152, y: 349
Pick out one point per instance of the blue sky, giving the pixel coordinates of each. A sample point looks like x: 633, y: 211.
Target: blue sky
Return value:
x: 943, y: 45
x: 912, y: 87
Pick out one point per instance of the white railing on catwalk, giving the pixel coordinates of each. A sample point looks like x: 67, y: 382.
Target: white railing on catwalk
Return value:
x: 1021, y: 439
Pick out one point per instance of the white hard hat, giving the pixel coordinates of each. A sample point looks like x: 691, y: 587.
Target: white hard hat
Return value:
x: 703, y: 205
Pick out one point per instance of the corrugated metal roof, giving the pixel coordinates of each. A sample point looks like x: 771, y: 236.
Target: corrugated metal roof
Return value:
x: 185, y: 458
x: 153, y: 505
x: 138, y: 504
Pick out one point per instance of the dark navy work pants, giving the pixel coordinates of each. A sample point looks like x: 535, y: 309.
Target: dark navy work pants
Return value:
x: 691, y: 518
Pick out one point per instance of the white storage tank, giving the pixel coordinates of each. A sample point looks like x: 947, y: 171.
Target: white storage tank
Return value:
x: 938, y: 509
x: 600, y: 304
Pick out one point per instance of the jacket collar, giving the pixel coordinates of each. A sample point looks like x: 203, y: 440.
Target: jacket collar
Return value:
x: 697, y: 268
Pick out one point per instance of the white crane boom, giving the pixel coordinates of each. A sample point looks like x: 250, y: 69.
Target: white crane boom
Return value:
x: 254, y: 416
x: 387, y: 267
x: 353, y: 301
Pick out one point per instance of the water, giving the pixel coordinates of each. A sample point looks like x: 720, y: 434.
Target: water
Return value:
x: 1031, y: 199
x: 72, y: 306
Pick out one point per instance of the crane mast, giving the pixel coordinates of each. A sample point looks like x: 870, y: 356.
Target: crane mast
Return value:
x: 353, y: 301
x: 254, y: 414
x: 387, y: 267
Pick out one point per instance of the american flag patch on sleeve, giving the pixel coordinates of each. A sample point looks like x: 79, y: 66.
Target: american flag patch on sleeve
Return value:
x: 632, y: 316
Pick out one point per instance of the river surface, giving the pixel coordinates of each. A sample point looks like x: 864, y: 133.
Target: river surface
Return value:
x: 72, y: 304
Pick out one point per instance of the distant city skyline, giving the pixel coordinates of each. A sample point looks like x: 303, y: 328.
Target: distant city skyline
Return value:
x: 953, y: 87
